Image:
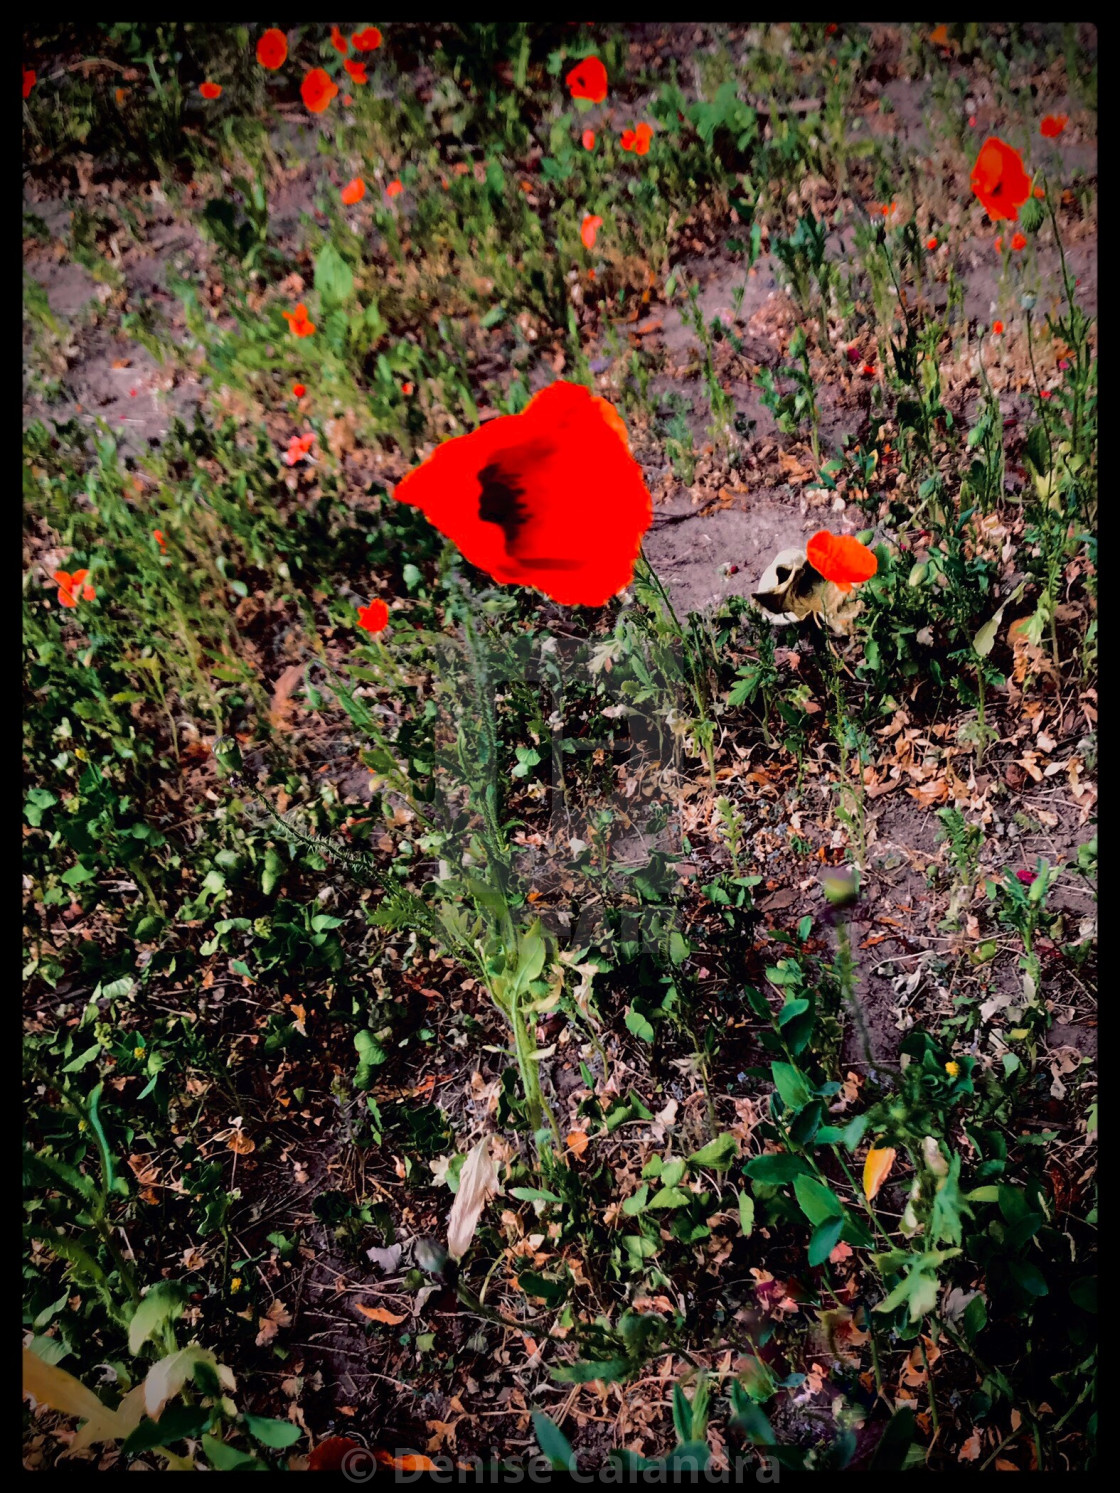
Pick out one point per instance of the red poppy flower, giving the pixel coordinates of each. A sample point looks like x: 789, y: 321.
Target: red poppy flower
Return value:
x: 549, y: 498
x: 588, y: 79
x: 374, y: 618
x: 299, y: 323
x: 638, y: 139
x: 347, y: 99
x: 1027, y: 877
x: 28, y: 80
x: 840, y: 559
x: 330, y: 1455
x: 357, y: 70
x: 298, y: 447
x: 157, y: 535
x: 366, y: 41
x: 394, y: 189
x: 338, y: 41
x: 71, y: 587
x: 998, y: 245
x: 211, y: 90
x: 588, y: 139
x: 1052, y: 125
x: 997, y: 328
x: 1018, y: 241
x: 408, y: 388
x: 589, y: 228
x: 1000, y: 180
x: 353, y: 191
x: 272, y: 49
x: 931, y: 243
x: 317, y: 90
x: 299, y: 390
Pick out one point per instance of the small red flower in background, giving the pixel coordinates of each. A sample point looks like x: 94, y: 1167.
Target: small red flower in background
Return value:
x: 1045, y: 393
x: 589, y: 228
x: 374, y: 618
x: 1000, y: 180
x: 931, y: 243
x: 840, y: 559
x: 853, y: 353
x: 366, y: 41
x: 71, y: 587
x: 1018, y: 241
x: 868, y: 370
x: 997, y: 328
x: 394, y: 189
x: 588, y: 79
x: 338, y: 41
x: 299, y: 323
x: 1027, y: 877
x: 357, y: 70
x: 299, y: 390
x: 885, y: 209
x: 347, y: 99
x: 353, y: 191
x: 272, y: 48
x: 998, y: 245
x: 408, y: 388
x: 211, y: 90
x: 157, y: 535
x: 317, y: 90
x: 587, y: 138
x: 28, y: 80
x: 638, y: 139
x: 550, y: 498
x: 298, y: 447
x: 1052, y: 125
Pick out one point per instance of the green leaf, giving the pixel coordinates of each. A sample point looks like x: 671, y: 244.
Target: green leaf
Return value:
x: 718, y: 1153
x: 791, y: 1084
x: 176, y: 1422
x: 273, y: 1433
x: 818, y: 1202
x: 553, y: 1443
x: 164, y: 1303
x: 895, y: 1442
x: 609, y: 1370
x: 746, y: 1214
x: 826, y: 1236
x: 638, y: 1024
x: 774, y: 1170
x: 333, y: 278
x: 534, y: 1195
x: 670, y: 1197
x: 227, y: 1458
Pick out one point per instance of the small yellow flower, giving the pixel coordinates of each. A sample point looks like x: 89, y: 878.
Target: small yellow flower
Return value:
x: 139, y: 1054
x: 235, y: 1284
x: 952, y: 1069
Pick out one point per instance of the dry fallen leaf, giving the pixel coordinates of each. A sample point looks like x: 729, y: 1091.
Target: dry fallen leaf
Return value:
x: 876, y: 1169
x: 478, y: 1182
x: 380, y: 1314
x: 270, y: 1324
x: 578, y: 1142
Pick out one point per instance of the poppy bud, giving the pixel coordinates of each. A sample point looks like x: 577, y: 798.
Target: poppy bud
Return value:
x: 228, y: 755
x: 1031, y: 215
x: 840, y: 885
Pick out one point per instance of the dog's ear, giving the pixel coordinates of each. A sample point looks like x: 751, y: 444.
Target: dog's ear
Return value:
x: 791, y: 590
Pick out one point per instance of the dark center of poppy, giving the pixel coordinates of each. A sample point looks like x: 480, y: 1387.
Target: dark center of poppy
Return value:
x: 500, y: 502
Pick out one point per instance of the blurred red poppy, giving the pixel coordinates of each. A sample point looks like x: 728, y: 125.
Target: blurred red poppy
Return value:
x: 211, y: 90
x: 374, y: 618
x: 366, y: 41
x: 157, y: 535
x: 550, y: 498
x: 588, y: 139
x: 407, y: 388
x: 394, y: 189
x: 1018, y: 241
x: 997, y: 328
x: 588, y: 79
x: 299, y: 390
x: 298, y: 447
x: 931, y: 243
x: 299, y: 323
x: 272, y: 48
x: 28, y: 80
x: 71, y: 587
x: 1053, y: 124
x: 357, y: 70
x: 589, y: 228
x: 637, y: 139
x: 353, y: 191
x: 338, y: 41
x: 317, y: 90
x: 1000, y: 180
x: 840, y: 559
x: 330, y: 1455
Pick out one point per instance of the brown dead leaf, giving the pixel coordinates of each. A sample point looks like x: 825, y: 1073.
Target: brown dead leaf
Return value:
x: 578, y: 1142
x: 280, y: 706
x: 380, y: 1314
x: 270, y: 1324
x: 242, y: 1144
